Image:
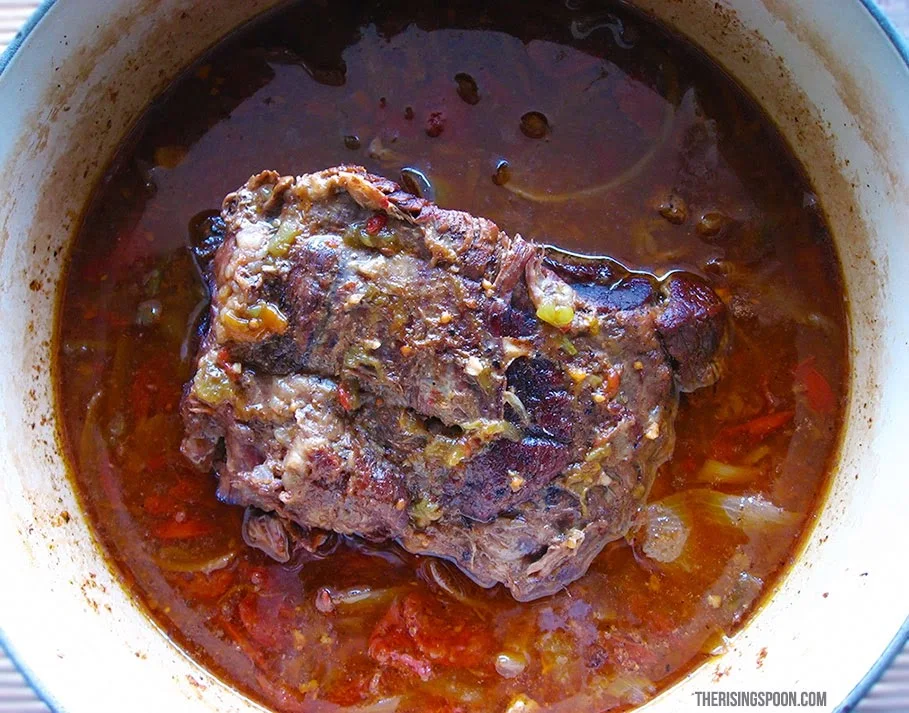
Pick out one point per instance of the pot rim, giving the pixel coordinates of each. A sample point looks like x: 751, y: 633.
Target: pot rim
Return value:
x: 852, y: 699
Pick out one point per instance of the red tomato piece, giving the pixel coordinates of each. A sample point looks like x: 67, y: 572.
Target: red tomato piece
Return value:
x: 815, y: 386
x: 349, y: 689
x: 344, y: 397
x: 731, y: 441
x: 242, y: 641
x: 259, y: 620
x: 613, y: 381
x: 376, y: 223
x: 419, y: 632
x: 757, y: 429
x: 209, y: 586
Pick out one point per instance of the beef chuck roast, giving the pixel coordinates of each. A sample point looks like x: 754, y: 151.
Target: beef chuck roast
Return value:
x: 378, y: 366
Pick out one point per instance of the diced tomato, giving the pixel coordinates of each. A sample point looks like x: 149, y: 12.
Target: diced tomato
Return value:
x: 419, y: 632
x: 209, y: 586
x: 376, y: 223
x: 450, y: 636
x: 391, y: 643
x: 173, y: 530
x: 261, y: 617
x: 239, y: 637
x: 815, y: 386
x: 349, y: 689
x: 344, y: 397
x: 757, y: 429
x: 248, y: 611
x: 733, y: 440
x: 613, y: 381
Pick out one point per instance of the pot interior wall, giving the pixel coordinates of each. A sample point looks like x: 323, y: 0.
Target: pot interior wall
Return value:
x: 74, y: 89
x: 837, y: 89
x: 80, y: 82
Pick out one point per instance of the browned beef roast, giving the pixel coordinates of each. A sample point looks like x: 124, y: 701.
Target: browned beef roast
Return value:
x: 378, y: 366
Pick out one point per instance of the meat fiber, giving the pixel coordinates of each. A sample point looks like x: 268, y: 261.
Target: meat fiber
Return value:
x: 377, y: 366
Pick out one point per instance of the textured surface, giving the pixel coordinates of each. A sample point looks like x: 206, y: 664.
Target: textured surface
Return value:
x: 890, y: 695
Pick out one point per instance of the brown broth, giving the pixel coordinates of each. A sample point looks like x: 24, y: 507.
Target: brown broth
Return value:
x: 289, y: 93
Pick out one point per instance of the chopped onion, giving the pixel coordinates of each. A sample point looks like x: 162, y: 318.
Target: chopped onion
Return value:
x: 174, y: 559
x: 453, y: 687
x: 753, y: 513
x: 745, y: 588
x: 631, y: 688
x: 487, y: 429
x: 511, y: 398
x: 756, y: 455
x: 716, y: 644
x: 362, y: 595
x: 510, y: 665
x: 522, y: 704
x: 661, y: 528
x: 352, y: 596
x: 425, y: 512
x: 283, y: 239
x: 664, y: 533
x: 385, y: 705
x: 714, y: 471
x: 558, y: 315
x: 449, y: 580
x: 553, y: 298
x: 378, y: 151
x: 515, y: 348
x: 544, y: 195
x: 595, y: 455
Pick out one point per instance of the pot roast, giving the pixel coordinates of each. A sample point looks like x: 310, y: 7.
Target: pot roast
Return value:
x: 375, y: 365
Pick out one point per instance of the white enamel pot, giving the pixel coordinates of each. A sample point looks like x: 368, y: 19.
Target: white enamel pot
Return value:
x: 832, y: 75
